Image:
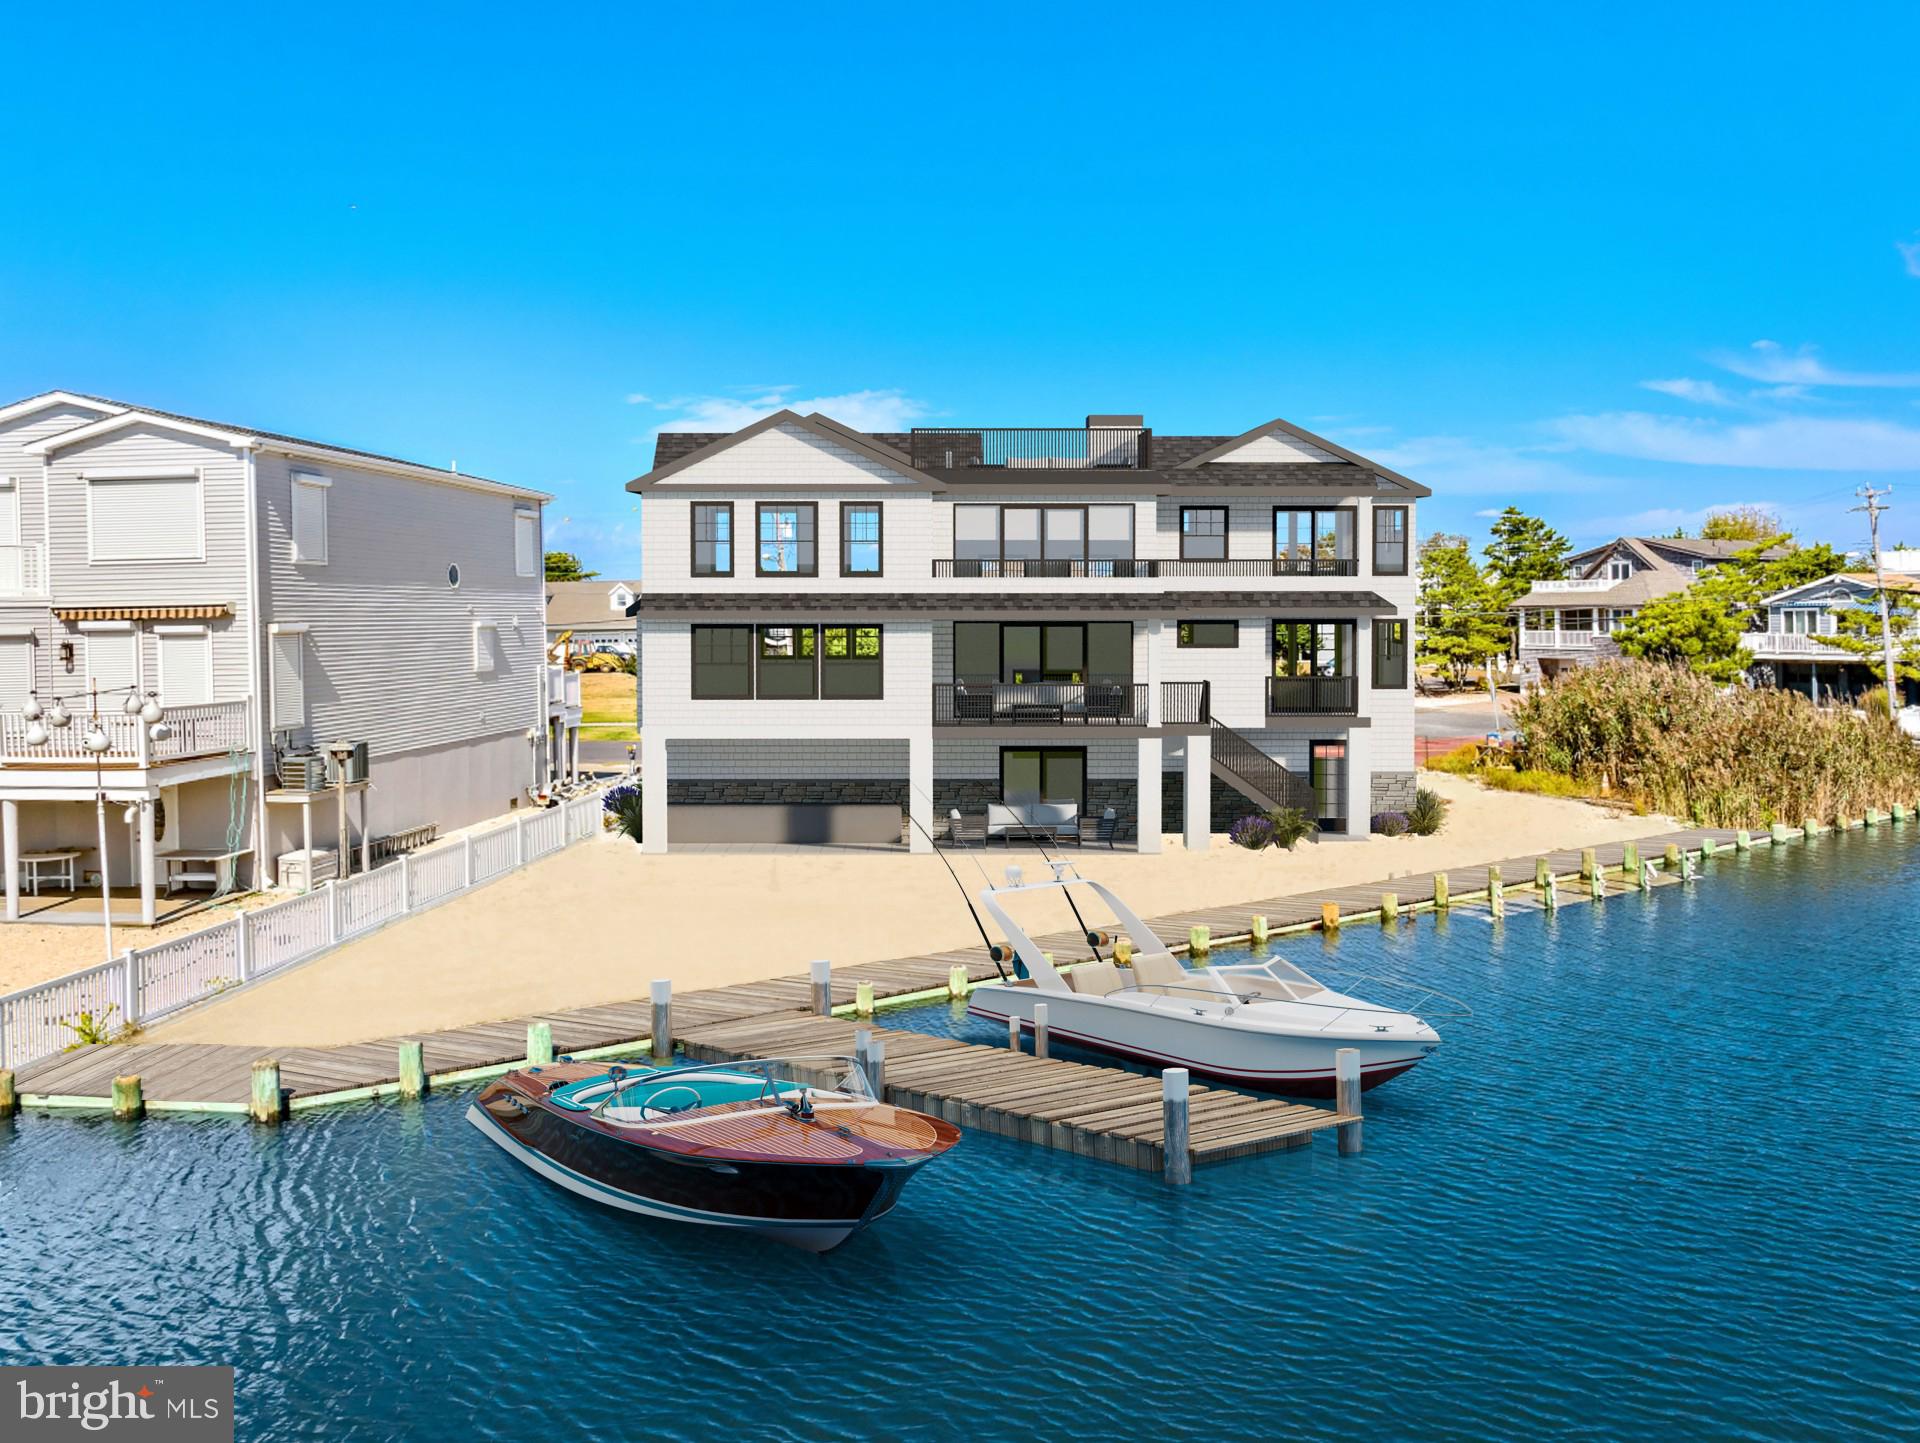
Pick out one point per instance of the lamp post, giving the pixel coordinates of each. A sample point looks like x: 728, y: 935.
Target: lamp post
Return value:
x: 42, y: 723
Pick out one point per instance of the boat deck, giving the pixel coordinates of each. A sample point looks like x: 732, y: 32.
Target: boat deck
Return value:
x: 1102, y: 1112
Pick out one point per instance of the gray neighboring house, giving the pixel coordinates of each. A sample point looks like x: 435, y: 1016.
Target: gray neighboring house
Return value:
x: 1570, y: 623
x: 1795, y: 651
x: 853, y: 636
x: 277, y: 596
x: 593, y: 615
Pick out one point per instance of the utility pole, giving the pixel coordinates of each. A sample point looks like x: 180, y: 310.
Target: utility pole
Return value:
x: 1873, y: 506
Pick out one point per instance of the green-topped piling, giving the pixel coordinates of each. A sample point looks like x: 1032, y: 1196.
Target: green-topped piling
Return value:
x: 413, y: 1069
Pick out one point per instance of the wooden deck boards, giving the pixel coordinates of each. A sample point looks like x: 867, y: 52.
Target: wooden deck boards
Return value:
x: 1096, y: 1111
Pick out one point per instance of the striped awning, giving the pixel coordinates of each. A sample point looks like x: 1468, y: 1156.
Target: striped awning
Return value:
x: 144, y: 613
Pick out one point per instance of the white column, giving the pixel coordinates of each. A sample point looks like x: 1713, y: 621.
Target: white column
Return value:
x: 366, y: 834
x: 1149, y: 801
x: 653, y: 793
x: 1359, y: 781
x: 573, y: 754
x: 10, y: 841
x: 920, y: 791
x: 306, y: 841
x: 146, y: 861
x: 1152, y: 678
x: 1199, y: 795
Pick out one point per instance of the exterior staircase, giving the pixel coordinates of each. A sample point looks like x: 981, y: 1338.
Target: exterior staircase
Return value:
x: 1257, y: 776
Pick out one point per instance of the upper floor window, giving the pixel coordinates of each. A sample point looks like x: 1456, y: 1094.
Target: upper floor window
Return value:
x: 526, y: 543
x: 860, y: 539
x: 1314, y: 541
x: 1619, y: 568
x: 850, y: 666
x: 145, y: 518
x: 712, y: 538
x: 1043, y: 540
x: 1389, y: 654
x: 787, y: 658
x: 1203, y: 533
x: 787, y: 538
x: 722, y: 662
x: 1390, y: 540
x: 310, y: 518
x: 1216, y: 635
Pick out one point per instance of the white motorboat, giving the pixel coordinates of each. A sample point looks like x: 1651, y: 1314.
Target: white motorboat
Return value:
x: 1263, y: 1024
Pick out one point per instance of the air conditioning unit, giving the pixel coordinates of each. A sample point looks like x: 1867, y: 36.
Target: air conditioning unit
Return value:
x: 348, y: 756
x: 304, y: 772
x: 303, y: 871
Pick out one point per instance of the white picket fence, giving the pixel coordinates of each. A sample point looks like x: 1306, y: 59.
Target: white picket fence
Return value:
x: 146, y: 983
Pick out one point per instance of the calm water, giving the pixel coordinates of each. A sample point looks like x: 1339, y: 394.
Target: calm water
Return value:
x: 1662, y: 1186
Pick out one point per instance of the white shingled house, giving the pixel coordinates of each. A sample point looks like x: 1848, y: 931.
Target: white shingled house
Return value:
x: 336, y: 641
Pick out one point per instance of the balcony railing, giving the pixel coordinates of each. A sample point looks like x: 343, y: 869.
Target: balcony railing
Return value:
x: 1539, y: 640
x: 1795, y: 643
x: 1186, y: 703
x: 1313, y: 695
x: 1044, y: 703
x: 206, y: 729
x: 1029, y: 570
x: 23, y: 570
x: 1591, y: 583
x: 1072, y: 448
x: 563, y: 687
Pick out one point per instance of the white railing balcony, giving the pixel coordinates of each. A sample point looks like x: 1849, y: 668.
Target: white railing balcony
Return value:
x: 1793, y: 644
x: 1591, y: 583
x: 563, y: 689
x: 23, y: 570
x: 1556, y: 640
x: 202, y: 730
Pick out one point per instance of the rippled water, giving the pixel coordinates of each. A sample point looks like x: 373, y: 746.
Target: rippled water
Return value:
x: 1662, y: 1186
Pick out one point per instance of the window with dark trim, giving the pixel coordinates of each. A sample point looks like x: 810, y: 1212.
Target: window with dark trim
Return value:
x: 722, y: 663
x: 1203, y: 533
x: 1209, y: 635
x: 787, y: 668
x: 1033, y: 540
x: 787, y: 532
x: 713, y: 538
x: 1390, y: 540
x: 1314, y: 541
x: 860, y: 538
x: 1389, y: 655
x: 850, y: 663
x: 1313, y: 648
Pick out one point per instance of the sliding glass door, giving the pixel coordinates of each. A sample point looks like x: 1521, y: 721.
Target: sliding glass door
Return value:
x: 1043, y: 774
x: 1047, y: 651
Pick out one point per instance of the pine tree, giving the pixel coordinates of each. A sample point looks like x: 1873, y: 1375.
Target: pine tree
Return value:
x: 1461, y: 620
x: 565, y: 566
x: 1524, y: 549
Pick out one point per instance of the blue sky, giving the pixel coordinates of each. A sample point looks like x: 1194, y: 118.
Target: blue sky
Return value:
x: 1616, y: 267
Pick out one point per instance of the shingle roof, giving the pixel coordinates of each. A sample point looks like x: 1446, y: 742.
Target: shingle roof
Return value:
x: 277, y: 436
x: 584, y: 603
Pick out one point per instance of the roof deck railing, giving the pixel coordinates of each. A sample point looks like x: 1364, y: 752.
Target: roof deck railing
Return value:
x: 1015, y: 448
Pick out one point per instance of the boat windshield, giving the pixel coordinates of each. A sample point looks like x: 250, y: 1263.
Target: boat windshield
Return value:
x: 1275, y: 978
x: 792, y: 1083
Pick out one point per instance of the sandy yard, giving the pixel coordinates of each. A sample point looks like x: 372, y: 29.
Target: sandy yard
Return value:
x: 34, y: 952
x: 597, y: 922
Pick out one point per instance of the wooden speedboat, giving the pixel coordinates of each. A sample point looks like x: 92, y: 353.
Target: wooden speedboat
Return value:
x: 797, y: 1149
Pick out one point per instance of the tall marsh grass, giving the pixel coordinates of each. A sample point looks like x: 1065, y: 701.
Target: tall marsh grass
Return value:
x: 1675, y: 742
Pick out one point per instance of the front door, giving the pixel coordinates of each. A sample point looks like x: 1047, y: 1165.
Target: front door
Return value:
x: 1043, y: 774
x: 1328, y: 774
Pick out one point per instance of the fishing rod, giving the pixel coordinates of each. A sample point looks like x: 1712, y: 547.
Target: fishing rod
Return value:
x: 993, y: 951
x: 1093, y: 937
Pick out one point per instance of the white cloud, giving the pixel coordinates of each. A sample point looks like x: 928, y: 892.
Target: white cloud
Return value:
x: 1461, y: 466
x: 1769, y: 362
x: 872, y: 410
x: 639, y: 398
x: 1910, y: 253
x: 1788, y: 443
x: 1707, y: 393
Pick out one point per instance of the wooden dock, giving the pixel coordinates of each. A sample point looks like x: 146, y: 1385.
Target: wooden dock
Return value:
x: 1097, y: 1112
x: 1100, y: 1112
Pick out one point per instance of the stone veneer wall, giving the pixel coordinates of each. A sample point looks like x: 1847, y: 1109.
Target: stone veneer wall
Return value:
x: 1229, y: 804
x: 1393, y: 791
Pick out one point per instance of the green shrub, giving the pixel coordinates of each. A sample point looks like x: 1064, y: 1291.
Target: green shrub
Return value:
x: 1428, y: 814
x: 1291, y: 826
x: 1874, y: 703
x: 1673, y: 741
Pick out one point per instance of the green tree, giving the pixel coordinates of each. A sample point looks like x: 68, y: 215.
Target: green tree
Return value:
x: 1699, y: 627
x: 1750, y: 574
x: 565, y: 566
x: 1461, y: 619
x: 1741, y: 523
x: 1523, y: 550
x: 1857, y: 629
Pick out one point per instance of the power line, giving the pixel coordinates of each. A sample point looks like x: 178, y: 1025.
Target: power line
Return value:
x: 1873, y: 506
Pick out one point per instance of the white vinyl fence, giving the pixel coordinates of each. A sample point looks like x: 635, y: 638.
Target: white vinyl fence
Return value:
x: 146, y: 983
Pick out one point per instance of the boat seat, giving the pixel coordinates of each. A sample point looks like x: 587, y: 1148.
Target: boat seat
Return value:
x: 1161, y: 972
x: 1096, y: 979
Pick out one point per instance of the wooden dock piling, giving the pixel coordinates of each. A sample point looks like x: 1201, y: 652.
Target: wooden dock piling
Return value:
x: 128, y: 1103
x: 1589, y: 864
x: 9, y: 1098
x: 1346, y: 1099
x: 1779, y: 832
x: 266, y: 1104
x: 1123, y: 952
x: 956, y: 981
x: 1496, y: 893
x: 1597, y: 885
x: 413, y: 1069
x: 1329, y: 916
x: 539, y: 1043
x: 1440, y: 899
x: 1630, y: 859
x: 1811, y: 828
x: 1175, y: 1126
x: 862, y: 1041
x: 1199, y: 939
x: 1013, y: 1033
x: 1040, y: 1030
x: 661, y: 994
x: 1673, y: 856
x: 1743, y: 840
x: 820, y: 970
x: 1389, y: 906
x: 877, y: 1064
x: 1259, y: 931
x: 863, y: 999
